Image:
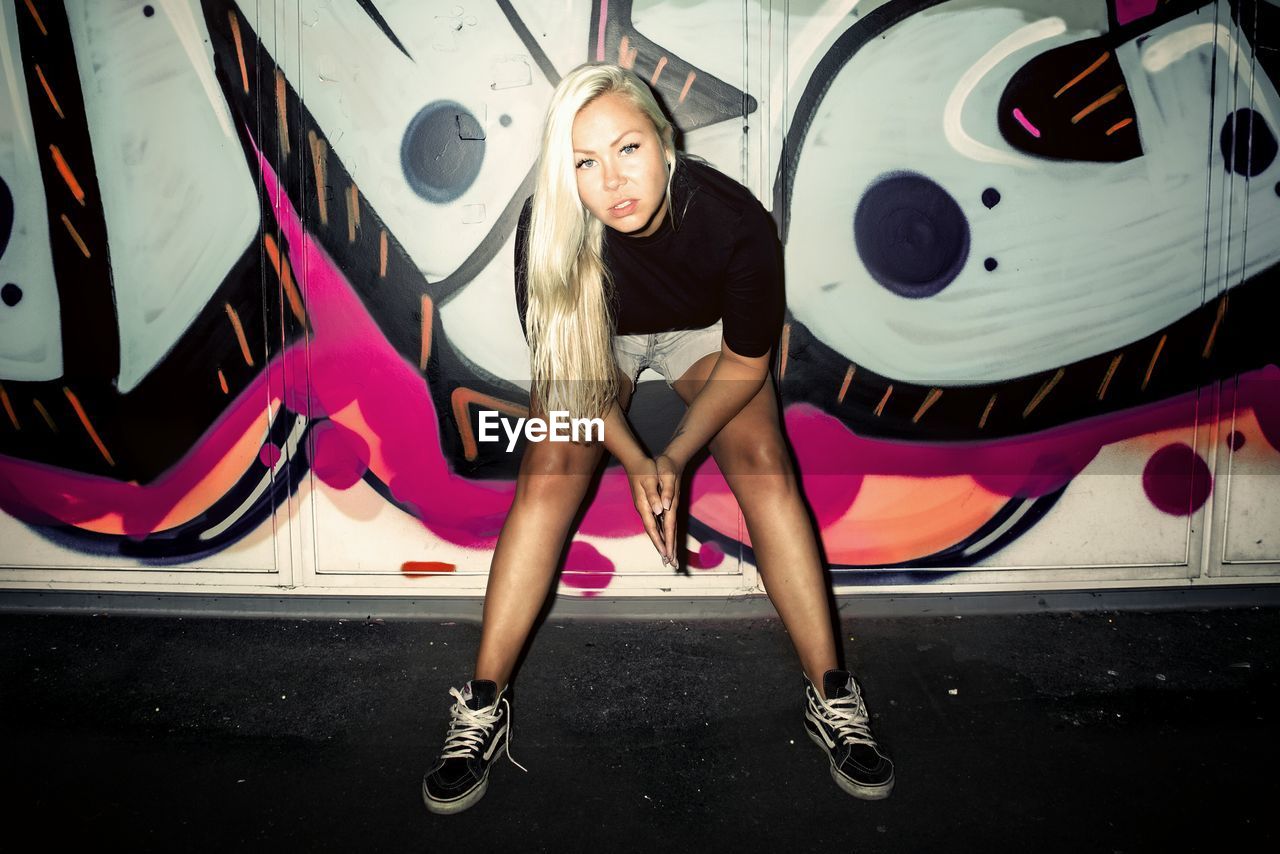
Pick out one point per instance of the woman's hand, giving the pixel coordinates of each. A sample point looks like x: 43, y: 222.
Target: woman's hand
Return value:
x: 669, y: 472
x: 646, y: 493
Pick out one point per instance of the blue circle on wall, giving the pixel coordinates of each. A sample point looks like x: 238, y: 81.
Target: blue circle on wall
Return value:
x: 911, y: 235
x: 442, y: 151
x: 1247, y: 143
x: 6, y: 215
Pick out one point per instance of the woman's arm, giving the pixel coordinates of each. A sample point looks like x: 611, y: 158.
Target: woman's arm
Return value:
x: 643, y: 474
x: 620, y: 441
x: 733, y: 382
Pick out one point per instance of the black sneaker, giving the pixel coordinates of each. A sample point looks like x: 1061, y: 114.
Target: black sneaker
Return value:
x: 840, y: 726
x: 479, y: 727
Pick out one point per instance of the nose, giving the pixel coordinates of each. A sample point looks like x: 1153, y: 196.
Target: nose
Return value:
x: 612, y: 176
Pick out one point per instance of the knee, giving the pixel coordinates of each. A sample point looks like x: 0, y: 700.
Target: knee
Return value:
x: 759, y: 463
x: 551, y: 466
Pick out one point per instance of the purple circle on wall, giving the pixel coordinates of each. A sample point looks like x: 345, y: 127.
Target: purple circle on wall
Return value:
x: 1176, y: 480
x: 269, y: 455
x: 339, y: 457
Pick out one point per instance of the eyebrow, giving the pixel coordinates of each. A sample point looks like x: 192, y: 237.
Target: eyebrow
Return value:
x: 611, y: 145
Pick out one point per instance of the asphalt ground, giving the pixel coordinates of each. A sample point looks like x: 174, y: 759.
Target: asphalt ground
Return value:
x: 1098, y: 731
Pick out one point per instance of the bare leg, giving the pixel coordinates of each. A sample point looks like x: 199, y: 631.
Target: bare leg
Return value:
x: 751, y: 454
x: 552, y: 481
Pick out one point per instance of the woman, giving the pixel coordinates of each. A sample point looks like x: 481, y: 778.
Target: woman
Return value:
x: 629, y: 257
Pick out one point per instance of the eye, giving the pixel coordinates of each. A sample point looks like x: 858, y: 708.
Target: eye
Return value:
x: 630, y: 147
x: 583, y: 162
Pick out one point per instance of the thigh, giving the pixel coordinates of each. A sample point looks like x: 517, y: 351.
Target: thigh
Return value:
x: 578, y: 458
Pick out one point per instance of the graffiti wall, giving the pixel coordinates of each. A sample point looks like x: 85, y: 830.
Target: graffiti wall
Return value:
x: 256, y: 266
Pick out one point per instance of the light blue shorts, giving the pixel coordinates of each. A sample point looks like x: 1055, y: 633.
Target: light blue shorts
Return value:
x: 668, y: 353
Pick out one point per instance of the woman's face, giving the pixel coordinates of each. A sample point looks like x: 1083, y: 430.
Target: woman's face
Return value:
x: 620, y: 165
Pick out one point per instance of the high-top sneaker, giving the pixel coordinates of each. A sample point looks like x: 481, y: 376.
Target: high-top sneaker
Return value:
x: 840, y: 726
x: 479, y: 727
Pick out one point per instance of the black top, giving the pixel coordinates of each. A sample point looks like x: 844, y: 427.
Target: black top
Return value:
x: 719, y: 261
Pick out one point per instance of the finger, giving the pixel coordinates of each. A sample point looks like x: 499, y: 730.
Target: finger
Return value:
x: 669, y: 536
x: 651, y: 528
x: 644, y: 508
x: 653, y: 495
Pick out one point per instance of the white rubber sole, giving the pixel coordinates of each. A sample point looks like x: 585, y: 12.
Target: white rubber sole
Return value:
x: 858, y: 790
x: 456, y: 806
x: 469, y: 799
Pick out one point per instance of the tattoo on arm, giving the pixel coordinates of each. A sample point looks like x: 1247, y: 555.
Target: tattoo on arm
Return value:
x: 679, y: 428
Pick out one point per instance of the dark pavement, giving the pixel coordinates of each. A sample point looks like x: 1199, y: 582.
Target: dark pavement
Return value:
x: 1101, y: 731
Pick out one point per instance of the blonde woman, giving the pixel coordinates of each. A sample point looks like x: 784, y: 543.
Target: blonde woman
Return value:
x: 629, y: 256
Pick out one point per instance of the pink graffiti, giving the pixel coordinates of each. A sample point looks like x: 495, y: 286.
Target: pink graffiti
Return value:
x: 586, y: 569
x: 43, y: 494
x: 1026, y: 123
x: 1176, y: 480
x: 1132, y: 10
x: 604, y: 18
x: 395, y: 404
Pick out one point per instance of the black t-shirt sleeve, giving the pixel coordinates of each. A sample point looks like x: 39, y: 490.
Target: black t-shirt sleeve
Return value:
x: 753, y: 295
x: 521, y: 277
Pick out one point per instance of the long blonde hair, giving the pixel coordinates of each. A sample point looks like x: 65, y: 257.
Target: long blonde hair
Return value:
x: 569, y: 316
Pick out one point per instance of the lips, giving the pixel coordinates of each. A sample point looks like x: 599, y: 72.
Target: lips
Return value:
x: 625, y: 208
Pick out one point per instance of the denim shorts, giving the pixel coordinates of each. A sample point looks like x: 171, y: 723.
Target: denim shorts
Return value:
x: 668, y: 353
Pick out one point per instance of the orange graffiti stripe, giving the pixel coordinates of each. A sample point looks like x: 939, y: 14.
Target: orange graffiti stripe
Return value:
x: 75, y: 235
x: 382, y: 254
x: 318, y: 151
x: 1213, y: 333
x: 84, y: 419
x: 222, y: 381
x: 44, y: 413
x: 291, y: 291
x: 426, y: 332
x: 67, y: 174
x: 353, y: 212
x: 844, y: 386
x: 285, y: 272
x: 930, y: 399
x: 1083, y: 74
x: 784, y: 347
x: 1105, y: 99
x: 425, y: 568
x: 627, y: 53
x: 244, y: 343
x: 49, y: 92
x: 282, y: 112
x: 1154, y: 356
x: 31, y: 7
x: 1111, y: 372
x: 880, y: 406
x: 8, y: 408
x: 688, y: 84
x: 273, y: 251
x: 235, y: 33
x: 1120, y: 124
x: 1043, y: 392
x: 982, y: 422
x: 462, y: 398
x: 657, y: 72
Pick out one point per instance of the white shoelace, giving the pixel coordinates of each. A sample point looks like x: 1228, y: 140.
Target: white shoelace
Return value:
x: 469, y: 727
x: 847, y: 715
